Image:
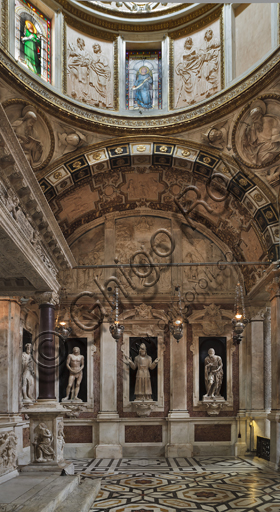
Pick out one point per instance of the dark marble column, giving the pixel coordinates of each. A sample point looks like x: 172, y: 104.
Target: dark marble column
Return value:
x: 46, y: 347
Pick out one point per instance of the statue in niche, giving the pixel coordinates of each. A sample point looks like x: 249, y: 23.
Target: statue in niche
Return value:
x: 27, y: 374
x: 24, y: 130
x: 261, y: 138
x: 43, y: 442
x: 144, y: 88
x: 142, y: 363
x: 213, y: 370
x: 99, y: 76
x: 75, y: 364
x: 60, y: 441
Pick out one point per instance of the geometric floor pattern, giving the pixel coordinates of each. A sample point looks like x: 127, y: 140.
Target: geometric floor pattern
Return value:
x: 212, y: 484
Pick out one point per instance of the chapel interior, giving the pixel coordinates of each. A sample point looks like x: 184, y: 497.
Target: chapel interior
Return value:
x: 139, y: 256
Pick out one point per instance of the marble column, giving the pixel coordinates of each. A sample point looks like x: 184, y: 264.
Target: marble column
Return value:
x: 108, y: 418
x: 178, y: 428
x: 274, y: 416
x: 46, y: 414
x: 267, y: 367
x: 46, y: 353
x: 10, y: 384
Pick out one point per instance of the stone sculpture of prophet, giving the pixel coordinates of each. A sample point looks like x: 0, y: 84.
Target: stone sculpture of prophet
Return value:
x: 143, y: 364
x: 213, y: 370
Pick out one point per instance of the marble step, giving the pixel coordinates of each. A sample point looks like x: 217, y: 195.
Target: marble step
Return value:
x: 83, y: 496
x: 51, y: 496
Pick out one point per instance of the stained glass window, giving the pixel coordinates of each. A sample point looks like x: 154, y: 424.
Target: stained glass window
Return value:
x: 143, y: 79
x: 33, y: 39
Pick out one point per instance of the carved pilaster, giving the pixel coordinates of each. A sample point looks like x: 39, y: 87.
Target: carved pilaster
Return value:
x: 267, y: 358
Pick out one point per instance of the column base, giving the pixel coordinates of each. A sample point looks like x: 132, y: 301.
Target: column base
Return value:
x: 8, y: 476
x: 179, y: 450
x: 53, y: 467
x: 108, y: 451
x: 240, y: 449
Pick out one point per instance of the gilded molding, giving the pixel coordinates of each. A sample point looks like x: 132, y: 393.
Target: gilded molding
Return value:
x: 88, y: 29
x: 235, y: 126
x: 116, y: 26
x: 222, y: 39
x: 131, y: 15
x: 5, y: 24
x: 64, y: 57
x: 208, y: 111
x: 16, y: 101
x: 171, y: 74
x: 206, y: 20
x: 116, y: 74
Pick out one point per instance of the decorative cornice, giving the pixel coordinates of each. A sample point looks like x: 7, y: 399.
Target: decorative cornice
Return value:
x: 199, y: 24
x: 84, y: 19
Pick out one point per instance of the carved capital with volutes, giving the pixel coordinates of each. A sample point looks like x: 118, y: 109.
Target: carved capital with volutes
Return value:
x: 47, y: 298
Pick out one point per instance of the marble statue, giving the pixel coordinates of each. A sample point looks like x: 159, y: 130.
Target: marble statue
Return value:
x: 60, y: 441
x: 25, y: 132
x: 27, y: 374
x: 143, y: 364
x: 261, y: 138
x: 78, y: 62
x: 8, y: 451
x: 75, y: 364
x: 213, y: 368
x: 44, y: 440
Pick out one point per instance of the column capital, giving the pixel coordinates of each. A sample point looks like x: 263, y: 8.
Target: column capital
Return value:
x: 47, y: 298
x: 274, y: 288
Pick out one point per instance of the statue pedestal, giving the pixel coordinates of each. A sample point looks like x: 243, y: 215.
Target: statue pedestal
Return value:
x: 109, y: 446
x: 144, y: 407
x: 178, y: 435
x: 47, y: 438
x: 214, y: 405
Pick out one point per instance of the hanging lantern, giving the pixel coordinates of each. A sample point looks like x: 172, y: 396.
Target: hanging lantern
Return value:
x: 116, y: 329
x: 176, y: 325
x: 239, y: 321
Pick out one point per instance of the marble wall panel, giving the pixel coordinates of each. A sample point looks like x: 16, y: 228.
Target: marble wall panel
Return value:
x: 212, y: 433
x: 25, y: 437
x: 78, y: 434
x: 143, y: 434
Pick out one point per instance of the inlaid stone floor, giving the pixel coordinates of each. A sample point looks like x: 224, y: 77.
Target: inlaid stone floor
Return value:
x: 212, y: 484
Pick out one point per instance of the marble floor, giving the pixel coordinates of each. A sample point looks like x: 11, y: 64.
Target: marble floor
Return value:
x: 212, y: 484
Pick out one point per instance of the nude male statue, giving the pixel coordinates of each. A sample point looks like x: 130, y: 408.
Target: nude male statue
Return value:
x: 75, y: 364
x: 27, y: 375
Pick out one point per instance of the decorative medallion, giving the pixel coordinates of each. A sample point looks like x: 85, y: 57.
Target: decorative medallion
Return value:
x: 256, y: 133
x: 163, y: 149
x: 33, y: 131
x: 186, y: 152
x: 119, y: 151
x: 141, y: 148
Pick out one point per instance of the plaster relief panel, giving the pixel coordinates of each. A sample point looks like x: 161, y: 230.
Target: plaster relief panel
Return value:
x: 134, y: 234
x: 90, y: 69
x: 197, y: 66
x: 89, y: 250
x: 202, y: 281
x: 143, y: 186
x: 77, y: 203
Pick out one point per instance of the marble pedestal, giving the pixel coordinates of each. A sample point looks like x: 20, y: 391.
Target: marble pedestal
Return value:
x: 109, y: 446
x: 178, y: 435
x: 46, y: 453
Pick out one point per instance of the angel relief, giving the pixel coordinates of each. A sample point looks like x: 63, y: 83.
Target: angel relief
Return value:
x: 199, y: 70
